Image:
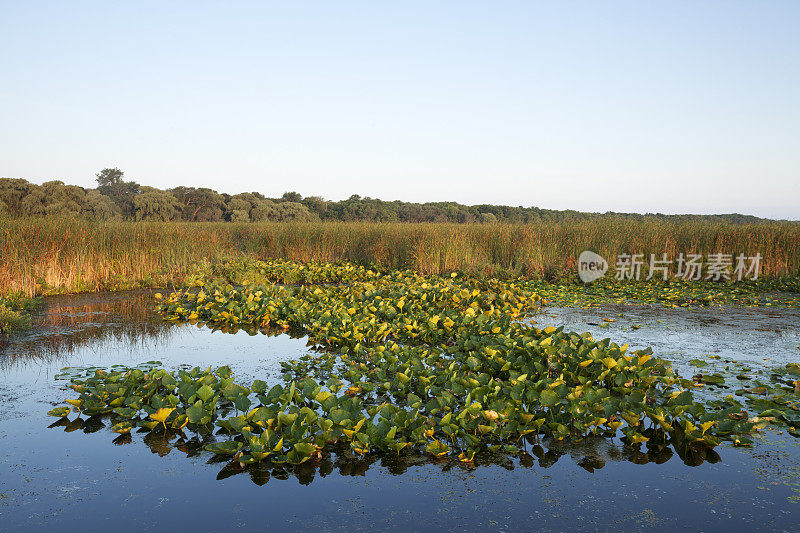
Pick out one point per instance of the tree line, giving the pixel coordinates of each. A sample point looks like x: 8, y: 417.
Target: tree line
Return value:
x: 114, y: 198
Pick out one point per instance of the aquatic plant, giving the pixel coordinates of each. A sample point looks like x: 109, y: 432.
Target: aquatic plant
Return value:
x: 771, y: 395
x: 411, y: 363
x: 768, y: 292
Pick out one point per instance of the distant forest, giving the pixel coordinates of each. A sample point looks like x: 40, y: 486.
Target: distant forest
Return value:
x: 118, y: 199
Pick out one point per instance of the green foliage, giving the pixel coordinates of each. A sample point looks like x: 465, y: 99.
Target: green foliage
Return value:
x: 199, y: 204
x: 156, y: 205
x: 62, y: 200
x: 487, y: 218
x: 15, y: 312
x: 98, y: 206
x: 440, y: 365
x: 109, y: 177
x: 20, y: 198
x: 292, y: 197
x: 122, y: 193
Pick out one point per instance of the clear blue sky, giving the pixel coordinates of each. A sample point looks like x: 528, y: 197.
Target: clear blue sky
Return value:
x: 625, y: 106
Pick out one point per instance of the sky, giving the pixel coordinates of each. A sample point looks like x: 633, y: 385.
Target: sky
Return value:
x: 671, y: 107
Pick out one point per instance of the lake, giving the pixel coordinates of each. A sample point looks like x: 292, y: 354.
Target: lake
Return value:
x: 81, y: 475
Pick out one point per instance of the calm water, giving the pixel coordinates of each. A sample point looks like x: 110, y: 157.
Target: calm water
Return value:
x: 82, y: 475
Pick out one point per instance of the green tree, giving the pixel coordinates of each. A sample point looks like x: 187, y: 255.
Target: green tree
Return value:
x: 61, y: 199
x: 263, y: 211
x: 109, y: 176
x: 12, y: 192
x: 317, y: 205
x: 200, y: 204
x: 99, y: 206
x: 292, y: 211
x: 238, y: 209
x: 32, y: 204
x: 488, y: 218
x: 292, y: 196
x: 111, y: 184
x: 156, y: 205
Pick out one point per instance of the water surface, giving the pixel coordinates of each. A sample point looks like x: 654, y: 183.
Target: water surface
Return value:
x: 81, y: 475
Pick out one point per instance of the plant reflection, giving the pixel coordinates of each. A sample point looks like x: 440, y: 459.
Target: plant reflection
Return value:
x: 591, y: 454
x: 64, y: 324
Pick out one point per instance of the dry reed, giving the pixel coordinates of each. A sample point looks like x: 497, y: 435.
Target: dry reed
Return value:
x: 39, y: 256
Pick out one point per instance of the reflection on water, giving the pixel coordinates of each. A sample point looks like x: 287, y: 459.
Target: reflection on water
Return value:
x: 64, y: 324
x: 590, y: 454
x: 99, y: 323
x: 77, y: 474
x: 109, y: 323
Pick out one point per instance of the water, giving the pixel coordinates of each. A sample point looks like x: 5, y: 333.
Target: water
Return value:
x: 728, y: 339
x: 84, y: 476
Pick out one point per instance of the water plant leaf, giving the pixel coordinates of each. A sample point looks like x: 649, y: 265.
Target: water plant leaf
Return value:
x: 59, y: 412
x: 548, y: 398
x: 162, y: 414
x: 259, y: 387
x: 205, y: 393
x: 229, y: 447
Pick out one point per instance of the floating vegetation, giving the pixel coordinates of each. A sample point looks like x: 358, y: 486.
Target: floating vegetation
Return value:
x: 776, y: 399
x: 590, y: 454
x: 769, y: 292
x: 282, y: 425
x: 412, y: 364
x: 566, y: 292
x: 771, y: 394
x: 248, y: 271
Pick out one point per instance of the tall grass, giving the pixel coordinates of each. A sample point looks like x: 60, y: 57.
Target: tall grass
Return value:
x: 39, y: 256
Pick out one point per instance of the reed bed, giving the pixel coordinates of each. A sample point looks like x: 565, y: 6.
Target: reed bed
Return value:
x: 41, y: 256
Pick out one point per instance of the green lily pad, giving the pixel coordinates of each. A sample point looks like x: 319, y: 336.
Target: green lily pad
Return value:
x: 59, y: 412
x: 230, y: 447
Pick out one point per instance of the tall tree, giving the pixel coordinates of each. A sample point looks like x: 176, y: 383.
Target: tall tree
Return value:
x: 111, y: 184
x: 109, y: 176
x: 199, y: 204
x: 292, y: 196
x: 61, y: 199
x: 263, y: 211
x: 316, y: 204
x: 238, y: 207
x: 12, y: 192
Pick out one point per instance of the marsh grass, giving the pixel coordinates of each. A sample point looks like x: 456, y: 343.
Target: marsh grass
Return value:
x: 41, y: 256
x: 15, y: 310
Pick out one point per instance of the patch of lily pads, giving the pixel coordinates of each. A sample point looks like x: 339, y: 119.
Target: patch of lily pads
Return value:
x: 442, y: 366
x: 771, y: 394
